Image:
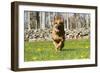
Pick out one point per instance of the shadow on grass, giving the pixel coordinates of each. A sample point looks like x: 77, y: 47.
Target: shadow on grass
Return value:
x: 68, y: 49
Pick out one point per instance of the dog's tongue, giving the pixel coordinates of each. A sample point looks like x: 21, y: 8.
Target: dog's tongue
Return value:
x: 57, y: 30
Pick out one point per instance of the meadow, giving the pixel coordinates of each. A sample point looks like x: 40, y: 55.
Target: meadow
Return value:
x: 44, y: 50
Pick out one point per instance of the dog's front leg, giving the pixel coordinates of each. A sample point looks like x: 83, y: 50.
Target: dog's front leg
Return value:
x: 55, y: 44
x: 60, y: 45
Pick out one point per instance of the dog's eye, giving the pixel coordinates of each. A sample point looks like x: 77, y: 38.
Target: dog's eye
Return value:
x: 55, y: 23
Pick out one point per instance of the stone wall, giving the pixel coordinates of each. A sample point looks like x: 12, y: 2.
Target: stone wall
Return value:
x: 40, y: 34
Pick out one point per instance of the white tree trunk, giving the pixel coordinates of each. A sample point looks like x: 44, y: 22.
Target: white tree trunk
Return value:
x: 42, y: 20
x: 28, y: 21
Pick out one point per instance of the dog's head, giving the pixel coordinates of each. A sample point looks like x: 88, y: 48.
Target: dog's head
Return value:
x: 58, y: 23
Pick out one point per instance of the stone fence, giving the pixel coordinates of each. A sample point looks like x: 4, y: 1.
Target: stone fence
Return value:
x: 40, y: 34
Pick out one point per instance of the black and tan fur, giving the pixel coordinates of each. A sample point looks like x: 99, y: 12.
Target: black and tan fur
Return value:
x: 58, y: 33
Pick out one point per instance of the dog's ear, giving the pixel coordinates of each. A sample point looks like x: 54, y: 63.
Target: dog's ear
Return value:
x: 52, y: 22
x: 50, y: 30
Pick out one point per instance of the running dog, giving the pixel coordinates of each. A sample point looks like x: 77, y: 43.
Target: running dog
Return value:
x: 58, y: 33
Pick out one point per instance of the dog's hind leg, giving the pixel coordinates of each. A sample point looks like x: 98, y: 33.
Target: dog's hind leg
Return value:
x: 62, y: 45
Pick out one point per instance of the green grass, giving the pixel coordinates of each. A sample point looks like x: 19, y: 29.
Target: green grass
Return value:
x: 44, y: 50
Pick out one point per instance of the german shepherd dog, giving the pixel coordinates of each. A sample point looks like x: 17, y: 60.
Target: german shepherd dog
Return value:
x: 58, y: 33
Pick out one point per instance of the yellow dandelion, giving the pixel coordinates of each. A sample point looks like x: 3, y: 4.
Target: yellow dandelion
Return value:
x: 82, y: 56
x: 52, y: 56
x: 87, y: 47
x: 34, y: 58
x: 39, y: 49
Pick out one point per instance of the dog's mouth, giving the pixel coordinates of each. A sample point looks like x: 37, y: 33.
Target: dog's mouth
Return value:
x: 57, y: 30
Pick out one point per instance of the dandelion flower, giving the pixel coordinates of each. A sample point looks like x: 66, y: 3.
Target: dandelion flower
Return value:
x: 52, y: 56
x: 39, y: 49
x: 87, y: 47
x: 82, y: 56
x: 34, y: 58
